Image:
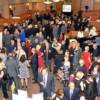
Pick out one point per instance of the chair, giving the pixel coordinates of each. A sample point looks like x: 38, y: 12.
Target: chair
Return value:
x: 22, y: 94
x: 38, y: 96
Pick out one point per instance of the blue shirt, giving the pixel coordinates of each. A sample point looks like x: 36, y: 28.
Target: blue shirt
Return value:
x: 22, y: 36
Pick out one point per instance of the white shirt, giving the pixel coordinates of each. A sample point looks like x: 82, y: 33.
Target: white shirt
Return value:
x: 92, y: 32
x: 86, y: 29
x: 80, y: 34
x: 67, y: 64
x: 71, y: 93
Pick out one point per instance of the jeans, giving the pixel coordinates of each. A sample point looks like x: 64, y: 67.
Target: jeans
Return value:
x: 98, y: 88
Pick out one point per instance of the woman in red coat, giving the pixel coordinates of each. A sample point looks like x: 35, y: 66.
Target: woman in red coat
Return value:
x: 40, y: 57
x: 87, y: 58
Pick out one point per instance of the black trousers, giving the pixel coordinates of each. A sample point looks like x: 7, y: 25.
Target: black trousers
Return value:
x: 46, y: 95
x: 99, y: 49
x: 4, y: 89
x: 35, y: 74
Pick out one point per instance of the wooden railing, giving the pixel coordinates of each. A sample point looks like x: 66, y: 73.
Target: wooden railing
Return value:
x: 95, y: 14
x: 17, y: 19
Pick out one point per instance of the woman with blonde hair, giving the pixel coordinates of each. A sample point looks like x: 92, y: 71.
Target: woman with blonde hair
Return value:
x: 2, y: 65
x: 19, y: 51
x: 40, y: 57
x: 79, y: 80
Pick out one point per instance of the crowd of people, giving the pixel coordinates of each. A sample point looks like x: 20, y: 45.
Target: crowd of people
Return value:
x: 42, y: 44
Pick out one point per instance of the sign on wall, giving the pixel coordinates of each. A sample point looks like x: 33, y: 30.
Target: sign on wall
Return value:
x: 87, y: 5
x: 97, y: 0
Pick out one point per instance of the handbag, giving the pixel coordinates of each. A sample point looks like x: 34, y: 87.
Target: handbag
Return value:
x: 12, y: 85
x: 6, y: 75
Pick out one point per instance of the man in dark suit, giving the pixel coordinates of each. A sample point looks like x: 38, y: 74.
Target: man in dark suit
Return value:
x: 34, y: 62
x: 47, y: 84
x: 47, y: 49
x: 71, y: 92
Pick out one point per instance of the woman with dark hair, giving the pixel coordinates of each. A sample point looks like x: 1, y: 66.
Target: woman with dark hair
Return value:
x: 24, y: 71
x: 3, y: 80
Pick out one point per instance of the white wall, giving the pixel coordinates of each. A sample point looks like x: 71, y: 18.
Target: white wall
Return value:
x: 0, y: 39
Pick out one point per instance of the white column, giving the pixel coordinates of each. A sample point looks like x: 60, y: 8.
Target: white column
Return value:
x: 0, y: 39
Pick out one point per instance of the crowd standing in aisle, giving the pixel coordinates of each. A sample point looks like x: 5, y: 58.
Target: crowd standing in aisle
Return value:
x: 44, y: 44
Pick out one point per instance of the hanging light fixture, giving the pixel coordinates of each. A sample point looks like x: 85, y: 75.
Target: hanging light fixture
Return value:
x: 48, y: 2
x: 51, y: 1
x: 56, y: 1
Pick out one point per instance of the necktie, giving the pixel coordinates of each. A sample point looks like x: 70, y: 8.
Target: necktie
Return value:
x: 71, y: 93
